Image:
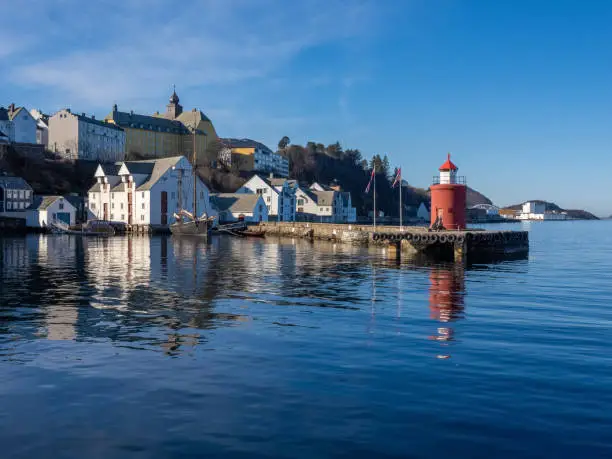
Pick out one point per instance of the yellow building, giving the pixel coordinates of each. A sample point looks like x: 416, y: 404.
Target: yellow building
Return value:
x: 170, y: 134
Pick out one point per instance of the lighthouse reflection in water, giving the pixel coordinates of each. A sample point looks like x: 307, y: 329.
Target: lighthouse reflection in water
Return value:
x: 446, y: 300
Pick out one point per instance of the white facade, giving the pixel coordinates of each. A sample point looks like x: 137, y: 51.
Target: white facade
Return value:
x: 80, y: 137
x: 50, y: 209
x: 42, y: 127
x: 423, y: 212
x: 147, y: 192
x: 324, y: 205
x: 279, y: 201
x: 536, y: 210
x: 240, y: 206
x: 24, y: 125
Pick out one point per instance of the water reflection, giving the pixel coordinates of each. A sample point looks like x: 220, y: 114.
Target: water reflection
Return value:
x: 446, y: 300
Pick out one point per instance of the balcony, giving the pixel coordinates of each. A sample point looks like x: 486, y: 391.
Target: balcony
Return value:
x: 458, y: 180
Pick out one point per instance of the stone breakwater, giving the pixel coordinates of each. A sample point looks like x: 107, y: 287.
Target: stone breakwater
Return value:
x: 472, y: 243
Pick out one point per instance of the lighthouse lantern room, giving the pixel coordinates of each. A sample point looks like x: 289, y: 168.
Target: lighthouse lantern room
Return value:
x: 448, y: 198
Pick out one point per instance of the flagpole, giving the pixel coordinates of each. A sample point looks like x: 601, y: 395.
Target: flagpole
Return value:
x: 374, y: 196
x: 400, y: 209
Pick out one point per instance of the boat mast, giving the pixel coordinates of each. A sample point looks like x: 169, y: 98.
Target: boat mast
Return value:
x: 193, y: 168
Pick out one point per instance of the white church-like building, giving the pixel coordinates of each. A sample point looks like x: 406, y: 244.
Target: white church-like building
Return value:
x: 146, y: 193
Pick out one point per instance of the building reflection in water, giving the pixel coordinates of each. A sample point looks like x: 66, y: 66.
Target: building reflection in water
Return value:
x: 446, y: 300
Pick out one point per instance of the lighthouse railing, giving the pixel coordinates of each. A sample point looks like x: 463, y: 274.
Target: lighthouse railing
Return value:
x: 458, y: 180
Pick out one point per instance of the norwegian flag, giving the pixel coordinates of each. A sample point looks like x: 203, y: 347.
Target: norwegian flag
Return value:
x: 398, y: 178
x: 367, y: 190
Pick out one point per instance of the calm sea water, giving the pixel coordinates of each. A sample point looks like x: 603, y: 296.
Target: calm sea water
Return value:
x: 159, y: 347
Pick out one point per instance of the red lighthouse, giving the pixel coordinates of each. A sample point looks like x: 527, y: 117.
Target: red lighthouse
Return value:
x: 448, y: 197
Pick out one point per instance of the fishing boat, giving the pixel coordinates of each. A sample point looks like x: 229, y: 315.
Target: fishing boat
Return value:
x: 187, y: 222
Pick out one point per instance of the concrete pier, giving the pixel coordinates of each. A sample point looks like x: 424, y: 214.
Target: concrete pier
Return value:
x: 460, y: 245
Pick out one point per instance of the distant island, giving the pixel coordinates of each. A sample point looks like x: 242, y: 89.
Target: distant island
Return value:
x: 575, y: 214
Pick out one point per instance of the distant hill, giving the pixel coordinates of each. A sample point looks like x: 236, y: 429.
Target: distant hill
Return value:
x: 578, y: 214
x: 474, y: 198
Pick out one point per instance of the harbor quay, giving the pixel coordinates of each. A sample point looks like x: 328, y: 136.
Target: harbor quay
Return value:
x: 458, y: 245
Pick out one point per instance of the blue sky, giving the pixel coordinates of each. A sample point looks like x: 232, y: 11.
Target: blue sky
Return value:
x: 518, y: 91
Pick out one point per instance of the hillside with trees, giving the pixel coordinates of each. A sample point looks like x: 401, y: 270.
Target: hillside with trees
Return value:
x: 331, y: 164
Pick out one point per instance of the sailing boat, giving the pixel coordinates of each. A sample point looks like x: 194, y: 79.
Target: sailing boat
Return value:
x: 188, y: 223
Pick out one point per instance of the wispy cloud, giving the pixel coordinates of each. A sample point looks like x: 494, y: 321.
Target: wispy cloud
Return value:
x: 96, y: 53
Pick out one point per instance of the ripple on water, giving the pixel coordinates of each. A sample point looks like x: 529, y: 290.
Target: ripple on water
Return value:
x: 161, y: 347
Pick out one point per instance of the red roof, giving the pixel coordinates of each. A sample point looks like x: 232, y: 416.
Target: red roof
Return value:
x: 448, y: 165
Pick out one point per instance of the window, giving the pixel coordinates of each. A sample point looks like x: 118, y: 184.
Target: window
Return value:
x: 112, y: 216
x: 201, y: 195
x: 67, y: 151
x: 61, y: 206
x: 122, y: 216
x: 143, y: 194
x: 268, y: 208
x: 9, y: 205
x: 92, y: 206
x: 112, y: 205
x: 121, y: 206
x: 142, y: 218
x: 142, y: 205
x: 300, y: 202
x: 268, y: 199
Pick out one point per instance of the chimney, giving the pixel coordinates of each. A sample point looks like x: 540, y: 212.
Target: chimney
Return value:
x: 93, y: 117
x: 11, y: 108
x: 83, y: 114
x: 114, y: 107
x: 131, y: 112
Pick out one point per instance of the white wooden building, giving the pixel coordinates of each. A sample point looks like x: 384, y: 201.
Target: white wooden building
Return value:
x: 24, y: 124
x: 50, y: 209
x: 240, y: 206
x: 536, y: 210
x: 147, y: 192
x: 278, y: 195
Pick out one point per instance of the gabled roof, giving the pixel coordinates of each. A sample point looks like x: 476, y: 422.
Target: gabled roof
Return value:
x: 160, y: 167
x: 281, y: 182
x: 138, y: 167
x: 95, y: 189
x: 324, y: 198
x: 187, y: 118
x: 14, y: 113
x: 265, y: 180
x: 235, y: 202
x: 121, y: 186
x: 14, y: 183
x: 43, y: 202
x: 110, y: 170
x: 448, y: 165
x: 149, y: 123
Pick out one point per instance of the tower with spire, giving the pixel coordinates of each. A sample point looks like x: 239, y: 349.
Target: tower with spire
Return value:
x: 173, y: 109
